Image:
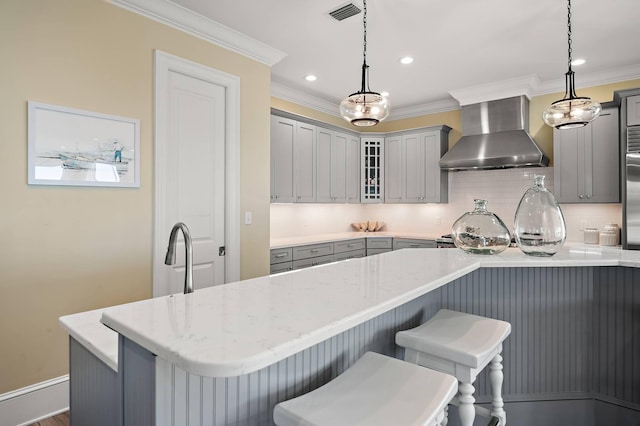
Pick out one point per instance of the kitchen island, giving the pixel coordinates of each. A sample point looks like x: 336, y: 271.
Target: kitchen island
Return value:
x: 228, y: 354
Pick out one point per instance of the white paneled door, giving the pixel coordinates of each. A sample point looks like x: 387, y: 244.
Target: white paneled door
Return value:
x: 190, y: 177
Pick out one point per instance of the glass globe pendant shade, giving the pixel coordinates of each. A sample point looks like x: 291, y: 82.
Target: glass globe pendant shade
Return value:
x: 364, y: 108
x: 571, y: 111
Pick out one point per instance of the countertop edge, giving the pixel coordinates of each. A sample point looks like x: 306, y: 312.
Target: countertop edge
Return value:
x: 101, y: 341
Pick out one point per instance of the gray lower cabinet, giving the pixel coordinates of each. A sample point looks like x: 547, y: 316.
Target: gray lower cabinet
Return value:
x: 298, y: 257
x: 379, y: 245
x: 312, y: 255
x: 312, y: 261
x: 400, y: 243
x: 281, y: 260
x: 587, y: 161
x: 349, y: 249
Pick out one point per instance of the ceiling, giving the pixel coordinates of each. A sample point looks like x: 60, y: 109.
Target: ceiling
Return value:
x: 458, y: 46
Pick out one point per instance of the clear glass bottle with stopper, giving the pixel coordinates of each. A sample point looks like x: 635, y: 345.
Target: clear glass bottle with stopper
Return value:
x: 480, y: 231
x: 539, y: 225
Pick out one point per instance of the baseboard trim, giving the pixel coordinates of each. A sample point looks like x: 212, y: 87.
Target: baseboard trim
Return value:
x: 32, y: 403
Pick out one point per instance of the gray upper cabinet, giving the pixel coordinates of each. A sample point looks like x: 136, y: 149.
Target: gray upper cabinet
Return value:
x: 353, y: 169
x: 283, y: 133
x: 304, y: 177
x: 633, y: 110
x: 587, y: 161
x: 412, y: 173
x: 393, y: 169
x: 338, y: 166
x: 293, y: 161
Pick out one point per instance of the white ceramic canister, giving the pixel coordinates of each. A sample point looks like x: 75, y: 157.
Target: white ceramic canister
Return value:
x: 591, y: 235
x: 610, y: 235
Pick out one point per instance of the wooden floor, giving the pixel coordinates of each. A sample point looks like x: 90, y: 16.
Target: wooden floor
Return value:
x: 61, y: 419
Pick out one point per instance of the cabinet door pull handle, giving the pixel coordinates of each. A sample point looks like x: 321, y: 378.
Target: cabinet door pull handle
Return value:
x: 281, y: 255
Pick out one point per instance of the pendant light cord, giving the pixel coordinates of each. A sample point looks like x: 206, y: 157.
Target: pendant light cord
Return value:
x: 568, y: 31
x: 364, y: 24
x: 365, y: 68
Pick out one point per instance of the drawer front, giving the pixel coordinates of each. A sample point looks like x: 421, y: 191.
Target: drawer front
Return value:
x: 349, y: 245
x: 314, y: 261
x: 281, y: 267
x: 409, y: 243
x: 313, y: 250
x: 371, y: 252
x: 281, y: 255
x: 349, y: 255
x: 379, y: 243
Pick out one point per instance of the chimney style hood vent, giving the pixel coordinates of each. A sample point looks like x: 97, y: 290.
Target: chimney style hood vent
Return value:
x: 495, y: 135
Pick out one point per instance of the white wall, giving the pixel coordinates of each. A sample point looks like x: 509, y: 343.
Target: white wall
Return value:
x: 502, y: 188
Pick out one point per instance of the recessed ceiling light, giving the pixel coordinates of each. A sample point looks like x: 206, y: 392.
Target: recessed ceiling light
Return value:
x: 406, y: 60
x: 578, y: 61
x: 311, y: 77
x: 385, y: 94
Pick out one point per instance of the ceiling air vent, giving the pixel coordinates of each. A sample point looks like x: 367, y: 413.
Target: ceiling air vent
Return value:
x: 345, y: 11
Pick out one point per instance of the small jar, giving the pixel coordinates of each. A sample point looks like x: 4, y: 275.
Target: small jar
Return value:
x: 591, y: 235
x: 610, y: 235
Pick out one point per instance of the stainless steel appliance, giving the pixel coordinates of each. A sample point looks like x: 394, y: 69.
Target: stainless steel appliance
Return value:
x: 495, y: 135
x: 632, y: 197
x: 445, y: 242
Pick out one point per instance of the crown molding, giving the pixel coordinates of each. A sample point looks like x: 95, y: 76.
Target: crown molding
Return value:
x: 173, y: 15
x: 583, y: 80
x: 530, y: 85
x: 287, y: 93
x: 304, y: 99
x: 424, y: 109
x: 517, y: 86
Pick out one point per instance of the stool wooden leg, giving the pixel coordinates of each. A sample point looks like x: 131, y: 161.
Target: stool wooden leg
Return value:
x: 466, y: 409
x: 496, y: 377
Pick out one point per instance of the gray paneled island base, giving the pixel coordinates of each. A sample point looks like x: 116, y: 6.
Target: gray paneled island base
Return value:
x: 228, y: 354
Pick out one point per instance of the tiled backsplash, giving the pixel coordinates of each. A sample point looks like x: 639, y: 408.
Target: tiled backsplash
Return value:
x: 501, y: 188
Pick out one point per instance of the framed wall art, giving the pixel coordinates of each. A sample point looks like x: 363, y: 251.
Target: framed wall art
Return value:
x: 82, y: 148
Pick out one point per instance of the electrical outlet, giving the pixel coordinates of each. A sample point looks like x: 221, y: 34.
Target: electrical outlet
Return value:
x: 438, y: 220
x: 583, y: 224
x: 247, y: 218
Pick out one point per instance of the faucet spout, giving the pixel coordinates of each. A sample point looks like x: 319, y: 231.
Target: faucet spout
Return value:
x: 170, y: 258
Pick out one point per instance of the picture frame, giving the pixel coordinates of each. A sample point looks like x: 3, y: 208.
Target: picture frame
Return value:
x: 74, y: 147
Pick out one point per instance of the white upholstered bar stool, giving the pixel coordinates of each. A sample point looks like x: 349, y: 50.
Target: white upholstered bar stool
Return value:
x: 462, y: 345
x: 376, y: 390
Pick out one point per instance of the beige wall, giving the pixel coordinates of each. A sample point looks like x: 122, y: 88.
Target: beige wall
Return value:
x: 71, y: 249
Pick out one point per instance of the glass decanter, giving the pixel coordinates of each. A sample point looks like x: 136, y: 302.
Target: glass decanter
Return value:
x: 539, y: 226
x: 480, y: 231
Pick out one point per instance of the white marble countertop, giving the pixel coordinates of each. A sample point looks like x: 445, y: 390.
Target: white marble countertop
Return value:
x: 238, y: 328
x: 87, y: 329
x: 340, y: 236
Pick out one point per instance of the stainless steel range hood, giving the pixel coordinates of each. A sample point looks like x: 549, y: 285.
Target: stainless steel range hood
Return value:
x: 495, y: 135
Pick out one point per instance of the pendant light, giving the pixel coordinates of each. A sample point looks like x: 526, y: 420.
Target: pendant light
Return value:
x: 364, y: 108
x: 571, y: 111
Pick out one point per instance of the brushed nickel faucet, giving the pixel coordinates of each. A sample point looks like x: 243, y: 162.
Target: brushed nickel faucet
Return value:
x: 170, y: 258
